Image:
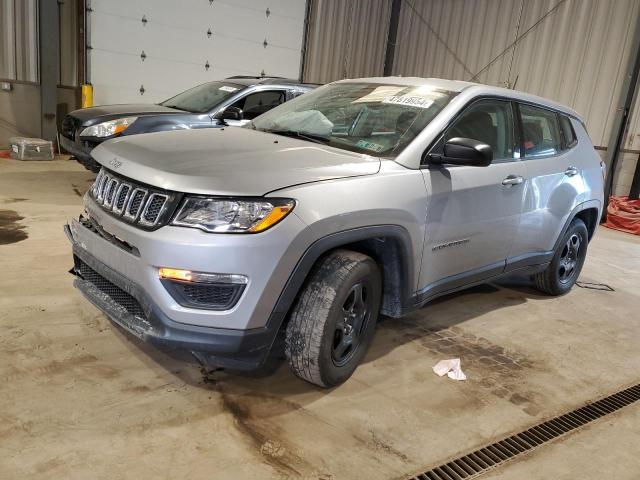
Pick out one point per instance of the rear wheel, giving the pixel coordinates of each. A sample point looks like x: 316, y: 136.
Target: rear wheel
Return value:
x: 333, y: 321
x: 565, y: 267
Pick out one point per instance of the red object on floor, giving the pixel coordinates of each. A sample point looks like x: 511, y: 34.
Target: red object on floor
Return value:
x: 624, y: 215
x: 5, y: 153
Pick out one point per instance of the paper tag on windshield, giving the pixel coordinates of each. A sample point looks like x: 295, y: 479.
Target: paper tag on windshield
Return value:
x: 375, y: 147
x: 409, y: 101
x: 228, y: 89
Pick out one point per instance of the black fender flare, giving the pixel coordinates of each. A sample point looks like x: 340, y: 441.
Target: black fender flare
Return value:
x: 330, y: 242
x: 577, y: 209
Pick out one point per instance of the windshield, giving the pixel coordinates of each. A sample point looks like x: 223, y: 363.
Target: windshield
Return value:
x: 372, y: 118
x: 203, y: 98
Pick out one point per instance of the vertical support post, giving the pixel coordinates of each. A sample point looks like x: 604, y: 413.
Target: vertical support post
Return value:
x: 392, y: 37
x: 87, y: 41
x: 81, y: 49
x: 49, y: 38
x: 305, y: 38
x: 627, y: 95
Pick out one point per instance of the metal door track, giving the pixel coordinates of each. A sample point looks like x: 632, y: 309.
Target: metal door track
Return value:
x: 482, y: 460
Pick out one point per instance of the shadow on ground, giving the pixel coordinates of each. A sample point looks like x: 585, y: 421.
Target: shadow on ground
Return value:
x: 437, y: 328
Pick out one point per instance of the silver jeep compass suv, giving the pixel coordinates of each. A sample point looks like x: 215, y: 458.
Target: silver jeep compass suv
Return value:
x: 363, y: 197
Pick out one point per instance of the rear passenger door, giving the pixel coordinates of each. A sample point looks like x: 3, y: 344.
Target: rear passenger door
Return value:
x: 552, y: 186
x: 473, y: 212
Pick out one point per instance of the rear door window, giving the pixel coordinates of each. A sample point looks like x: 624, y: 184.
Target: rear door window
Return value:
x: 540, y: 131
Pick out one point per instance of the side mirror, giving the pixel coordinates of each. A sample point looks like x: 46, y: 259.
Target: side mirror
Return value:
x: 231, y: 113
x: 464, y: 151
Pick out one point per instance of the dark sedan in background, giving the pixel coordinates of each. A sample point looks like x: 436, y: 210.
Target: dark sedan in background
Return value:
x: 233, y: 101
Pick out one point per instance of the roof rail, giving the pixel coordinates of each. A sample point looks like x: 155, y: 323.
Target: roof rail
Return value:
x: 248, y: 77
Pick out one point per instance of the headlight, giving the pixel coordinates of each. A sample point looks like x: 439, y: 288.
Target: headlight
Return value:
x: 232, y: 216
x: 108, y: 129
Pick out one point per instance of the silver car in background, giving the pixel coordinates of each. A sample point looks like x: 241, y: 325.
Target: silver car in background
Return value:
x: 362, y: 197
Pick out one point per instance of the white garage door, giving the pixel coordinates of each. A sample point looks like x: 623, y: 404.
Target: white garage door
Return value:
x: 148, y: 50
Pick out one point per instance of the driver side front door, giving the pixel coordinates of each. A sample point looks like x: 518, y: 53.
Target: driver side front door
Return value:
x: 473, y: 212
x: 256, y: 104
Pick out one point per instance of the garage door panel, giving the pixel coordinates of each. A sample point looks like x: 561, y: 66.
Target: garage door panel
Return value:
x: 177, y: 47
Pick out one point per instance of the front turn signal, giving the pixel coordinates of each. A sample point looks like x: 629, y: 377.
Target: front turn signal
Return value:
x: 175, y: 274
x: 274, y: 216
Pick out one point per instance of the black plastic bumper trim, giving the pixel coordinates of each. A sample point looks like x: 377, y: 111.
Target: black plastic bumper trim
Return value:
x: 236, y: 349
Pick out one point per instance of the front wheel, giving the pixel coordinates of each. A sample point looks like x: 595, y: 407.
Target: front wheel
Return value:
x: 565, y: 267
x: 333, y: 321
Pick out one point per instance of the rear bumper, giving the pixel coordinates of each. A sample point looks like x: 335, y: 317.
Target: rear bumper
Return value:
x: 236, y: 349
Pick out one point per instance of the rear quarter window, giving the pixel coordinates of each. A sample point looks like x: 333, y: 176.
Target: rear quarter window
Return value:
x: 568, y: 132
x: 541, y: 132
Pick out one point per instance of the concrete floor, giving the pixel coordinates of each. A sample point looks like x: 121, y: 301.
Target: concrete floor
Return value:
x: 81, y: 399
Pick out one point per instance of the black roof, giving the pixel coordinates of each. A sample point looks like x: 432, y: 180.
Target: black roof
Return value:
x: 260, y: 80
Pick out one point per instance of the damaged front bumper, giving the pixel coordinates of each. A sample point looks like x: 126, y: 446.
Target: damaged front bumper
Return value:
x: 128, y: 305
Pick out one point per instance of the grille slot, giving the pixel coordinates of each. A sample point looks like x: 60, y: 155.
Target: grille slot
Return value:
x: 133, y: 207
x: 139, y: 204
x: 482, y: 460
x: 110, y: 192
x: 95, y: 188
x: 104, y: 180
x: 152, y: 209
x: 122, y: 196
x: 115, y: 293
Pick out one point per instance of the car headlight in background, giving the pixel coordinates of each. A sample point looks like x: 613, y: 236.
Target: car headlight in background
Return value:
x: 108, y: 129
x: 220, y: 215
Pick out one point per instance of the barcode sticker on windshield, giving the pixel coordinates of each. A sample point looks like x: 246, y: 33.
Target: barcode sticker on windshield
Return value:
x: 419, y: 102
x: 228, y: 89
x: 375, y: 147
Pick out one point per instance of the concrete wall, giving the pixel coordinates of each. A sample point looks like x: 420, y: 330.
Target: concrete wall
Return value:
x: 19, y: 112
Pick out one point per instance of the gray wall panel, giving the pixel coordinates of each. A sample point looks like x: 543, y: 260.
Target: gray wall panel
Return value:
x: 575, y: 55
x: 346, y: 39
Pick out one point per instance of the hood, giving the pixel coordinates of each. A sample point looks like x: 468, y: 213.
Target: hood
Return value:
x: 228, y: 161
x: 104, y: 113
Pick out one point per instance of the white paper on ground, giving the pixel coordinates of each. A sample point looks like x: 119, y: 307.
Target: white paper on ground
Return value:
x: 451, y: 368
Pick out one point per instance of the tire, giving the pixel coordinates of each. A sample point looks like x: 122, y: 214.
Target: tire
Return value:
x: 567, y: 262
x: 333, y: 320
x: 89, y: 164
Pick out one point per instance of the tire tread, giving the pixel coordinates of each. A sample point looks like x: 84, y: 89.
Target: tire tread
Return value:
x: 546, y: 280
x: 311, y: 311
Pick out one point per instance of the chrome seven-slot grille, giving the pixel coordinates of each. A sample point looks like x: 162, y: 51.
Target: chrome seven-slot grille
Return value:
x: 133, y: 202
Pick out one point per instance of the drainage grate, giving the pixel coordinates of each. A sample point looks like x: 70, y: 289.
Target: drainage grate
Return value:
x: 480, y: 461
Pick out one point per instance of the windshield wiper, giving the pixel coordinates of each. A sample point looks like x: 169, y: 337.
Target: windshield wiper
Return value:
x: 175, y: 107
x: 310, y: 137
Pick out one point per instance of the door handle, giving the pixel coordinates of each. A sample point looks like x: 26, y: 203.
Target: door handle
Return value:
x: 571, y: 171
x: 512, y: 180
